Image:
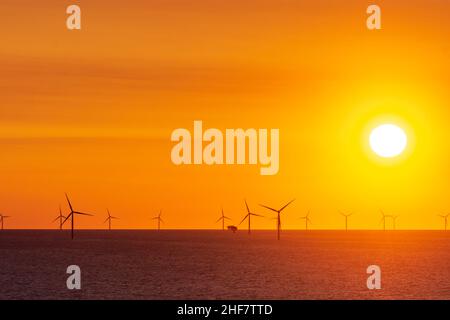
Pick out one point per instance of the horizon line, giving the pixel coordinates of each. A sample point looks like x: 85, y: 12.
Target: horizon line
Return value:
x: 209, y: 229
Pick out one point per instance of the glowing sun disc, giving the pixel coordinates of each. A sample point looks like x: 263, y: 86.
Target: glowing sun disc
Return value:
x: 388, y: 140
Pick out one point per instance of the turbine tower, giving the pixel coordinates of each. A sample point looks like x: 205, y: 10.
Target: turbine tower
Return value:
x: 2, y: 218
x: 307, y: 219
x: 278, y: 216
x: 346, y: 215
x: 72, y: 215
x: 383, y: 219
x: 394, y: 223
x: 60, y: 217
x: 158, y: 217
x: 223, y: 218
x: 248, y: 216
x: 445, y: 217
x: 110, y: 217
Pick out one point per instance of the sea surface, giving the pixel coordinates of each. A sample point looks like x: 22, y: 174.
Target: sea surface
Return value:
x: 213, y: 264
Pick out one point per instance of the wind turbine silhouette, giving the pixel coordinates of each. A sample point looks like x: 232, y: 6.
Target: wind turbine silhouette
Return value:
x: 60, y: 217
x: 346, y: 215
x: 445, y: 219
x: 223, y: 217
x: 249, y: 215
x: 110, y: 217
x: 278, y: 216
x: 383, y: 219
x: 158, y: 217
x: 2, y: 218
x: 307, y: 219
x: 72, y: 215
x: 394, y: 219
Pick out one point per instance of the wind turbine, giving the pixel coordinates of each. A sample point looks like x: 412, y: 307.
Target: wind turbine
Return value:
x: 394, y: 219
x: 307, y: 219
x: 2, y: 218
x: 278, y: 215
x: 158, y: 217
x: 60, y: 217
x: 346, y: 215
x: 72, y: 215
x: 445, y: 219
x: 249, y: 215
x: 383, y: 219
x: 223, y: 217
x: 110, y: 217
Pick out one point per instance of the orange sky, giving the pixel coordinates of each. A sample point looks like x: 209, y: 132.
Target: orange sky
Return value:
x: 90, y: 112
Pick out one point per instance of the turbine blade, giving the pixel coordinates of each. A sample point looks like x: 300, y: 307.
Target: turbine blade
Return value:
x: 248, y: 210
x: 219, y: 219
x: 56, y: 219
x: 269, y: 208
x: 67, y: 217
x: 225, y: 217
x: 287, y: 204
x: 244, y: 219
x: 84, y: 214
x: 258, y: 215
x: 106, y: 220
x: 68, y: 201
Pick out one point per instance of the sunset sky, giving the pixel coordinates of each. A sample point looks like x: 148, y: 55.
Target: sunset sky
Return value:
x: 91, y: 112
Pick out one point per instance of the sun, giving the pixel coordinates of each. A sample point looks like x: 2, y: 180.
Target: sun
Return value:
x: 388, y: 140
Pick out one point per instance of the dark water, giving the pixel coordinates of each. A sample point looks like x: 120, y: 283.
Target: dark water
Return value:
x: 223, y: 265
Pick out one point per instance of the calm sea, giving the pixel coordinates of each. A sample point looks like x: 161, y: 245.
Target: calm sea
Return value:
x: 222, y: 265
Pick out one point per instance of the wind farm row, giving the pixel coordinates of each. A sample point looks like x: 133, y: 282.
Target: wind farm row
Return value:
x: 223, y: 218
x: 307, y: 219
